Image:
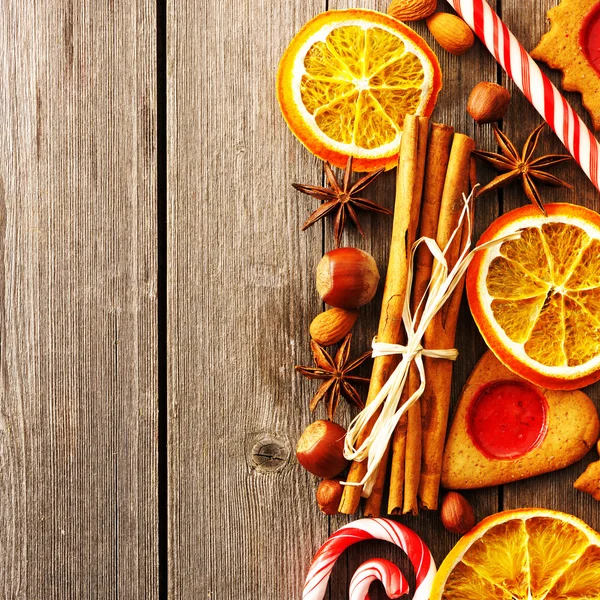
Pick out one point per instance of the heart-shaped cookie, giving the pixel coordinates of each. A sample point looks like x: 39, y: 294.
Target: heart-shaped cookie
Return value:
x: 506, y: 429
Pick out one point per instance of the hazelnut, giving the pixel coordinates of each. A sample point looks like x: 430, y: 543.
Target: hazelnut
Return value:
x: 320, y: 449
x: 333, y: 325
x: 347, y: 278
x: 329, y: 496
x: 456, y: 514
x: 488, y: 102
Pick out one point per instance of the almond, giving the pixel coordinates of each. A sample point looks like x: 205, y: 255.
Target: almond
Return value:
x: 488, y: 102
x: 411, y: 10
x: 331, y: 326
x: 451, y: 32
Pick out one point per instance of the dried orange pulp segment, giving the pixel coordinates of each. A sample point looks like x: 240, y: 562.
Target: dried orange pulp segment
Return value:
x: 536, y: 299
x: 528, y: 554
x: 348, y: 79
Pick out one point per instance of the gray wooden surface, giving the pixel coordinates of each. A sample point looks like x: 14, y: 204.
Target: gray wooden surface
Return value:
x: 80, y: 494
x: 78, y: 320
x: 243, y: 525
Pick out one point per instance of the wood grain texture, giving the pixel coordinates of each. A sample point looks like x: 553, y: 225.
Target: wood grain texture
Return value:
x: 241, y: 296
x: 78, y: 374
x: 243, y: 522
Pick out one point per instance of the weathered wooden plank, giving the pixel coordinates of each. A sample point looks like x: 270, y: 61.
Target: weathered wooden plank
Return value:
x: 243, y: 521
x: 78, y: 376
x: 241, y: 297
x: 554, y: 490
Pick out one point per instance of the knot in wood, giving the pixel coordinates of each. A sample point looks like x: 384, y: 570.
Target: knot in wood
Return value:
x: 269, y: 454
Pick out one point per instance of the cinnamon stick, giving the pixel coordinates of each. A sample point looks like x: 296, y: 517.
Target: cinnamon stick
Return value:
x: 412, y: 467
x: 437, y: 164
x: 438, y: 153
x: 373, y: 502
x: 398, y: 466
x: 435, y: 402
x: 406, y: 218
x: 454, y: 302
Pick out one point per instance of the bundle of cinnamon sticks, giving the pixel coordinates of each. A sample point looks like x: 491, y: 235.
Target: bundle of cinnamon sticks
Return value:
x: 435, y: 169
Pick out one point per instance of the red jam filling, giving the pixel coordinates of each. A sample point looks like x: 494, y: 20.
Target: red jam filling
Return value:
x: 507, y: 419
x: 589, y: 39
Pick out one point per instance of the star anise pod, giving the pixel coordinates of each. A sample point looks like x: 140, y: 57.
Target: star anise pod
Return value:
x: 334, y: 373
x: 513, y: 165
x: 341, y: 199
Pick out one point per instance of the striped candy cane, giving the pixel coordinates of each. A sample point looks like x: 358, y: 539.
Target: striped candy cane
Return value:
x: 378, y: 569
x: 538, y: 89
x: 371, y: 529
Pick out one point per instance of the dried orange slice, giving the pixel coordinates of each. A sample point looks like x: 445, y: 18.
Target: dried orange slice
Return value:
x: 536, y: 299
x: 529, y: 554
x: 348, y: 79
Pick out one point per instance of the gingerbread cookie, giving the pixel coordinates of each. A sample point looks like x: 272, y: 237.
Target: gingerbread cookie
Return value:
x: 573, y: 46
x: 589, y: 480
x: 506, y: 429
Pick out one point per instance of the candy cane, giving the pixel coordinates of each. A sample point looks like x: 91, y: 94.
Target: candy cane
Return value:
x: 378, y: 569
x: 370, y: 529
x: 538, y: 89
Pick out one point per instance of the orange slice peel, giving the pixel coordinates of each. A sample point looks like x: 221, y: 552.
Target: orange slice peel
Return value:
x: 536, y: 299
x: 348, y: 79
x: 527, y: 554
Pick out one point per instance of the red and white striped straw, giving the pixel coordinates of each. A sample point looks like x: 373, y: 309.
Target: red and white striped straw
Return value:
x: 538, y: 89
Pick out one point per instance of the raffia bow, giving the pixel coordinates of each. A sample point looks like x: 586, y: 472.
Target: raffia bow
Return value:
x: 442, y: 284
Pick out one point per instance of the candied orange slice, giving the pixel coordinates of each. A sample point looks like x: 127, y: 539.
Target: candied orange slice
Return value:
x: 529, y: 554
x: 347, y: 81
x: 536, y: 295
